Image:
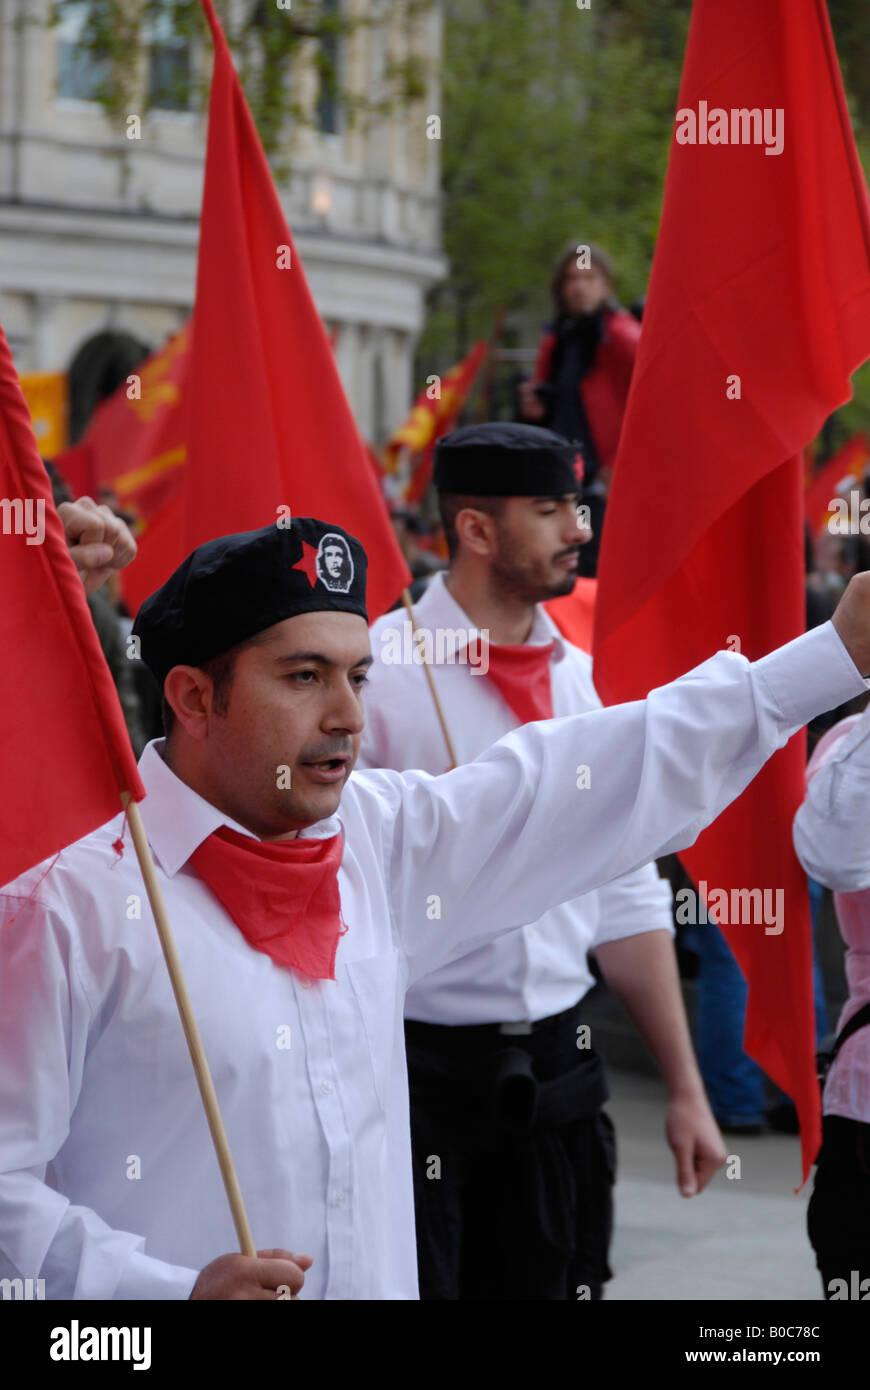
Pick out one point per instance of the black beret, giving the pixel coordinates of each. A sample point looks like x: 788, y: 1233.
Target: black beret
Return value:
x: 501, y: 459
x: 229, y: 589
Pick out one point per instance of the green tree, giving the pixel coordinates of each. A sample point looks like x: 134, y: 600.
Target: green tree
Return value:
x: 557, y: 124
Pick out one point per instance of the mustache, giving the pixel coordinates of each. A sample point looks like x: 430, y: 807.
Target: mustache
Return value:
x: 570, y: 550
x: 328, y: 748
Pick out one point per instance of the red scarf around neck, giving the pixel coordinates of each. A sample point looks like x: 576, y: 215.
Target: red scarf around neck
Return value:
x: 282, y: 895
x: 522, y: 675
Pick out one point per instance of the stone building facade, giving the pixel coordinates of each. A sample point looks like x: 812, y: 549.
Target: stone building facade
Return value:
x: 98, y: 232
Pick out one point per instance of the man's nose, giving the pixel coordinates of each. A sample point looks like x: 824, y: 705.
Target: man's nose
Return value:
x: 345, y: 711
x: 574, y: 529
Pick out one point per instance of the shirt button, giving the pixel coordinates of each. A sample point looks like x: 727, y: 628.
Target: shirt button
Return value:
x: 340, y: 1199
x: 326, y: 1088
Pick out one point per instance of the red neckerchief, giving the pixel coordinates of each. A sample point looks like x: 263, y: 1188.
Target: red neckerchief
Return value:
x: 522, y: 675
x: 282, y: 895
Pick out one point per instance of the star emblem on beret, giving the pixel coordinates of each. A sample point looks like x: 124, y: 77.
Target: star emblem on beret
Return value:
x: 308, y: 563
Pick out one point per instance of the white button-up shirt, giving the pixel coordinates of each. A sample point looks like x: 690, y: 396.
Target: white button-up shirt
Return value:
x: 833, y: 844
x: 541, y: 969
x: 108, y: 1184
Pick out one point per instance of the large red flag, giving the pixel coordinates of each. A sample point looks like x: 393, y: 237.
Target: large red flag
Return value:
x: 758, y: 310
x: 269, y: 424
x: 66, y: 754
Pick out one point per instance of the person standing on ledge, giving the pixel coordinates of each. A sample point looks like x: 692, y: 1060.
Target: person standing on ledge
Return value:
x: 579, y: 387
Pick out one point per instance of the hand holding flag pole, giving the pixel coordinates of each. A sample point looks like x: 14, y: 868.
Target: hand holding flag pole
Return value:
x: 191, y: 1028
x: 64, y: 725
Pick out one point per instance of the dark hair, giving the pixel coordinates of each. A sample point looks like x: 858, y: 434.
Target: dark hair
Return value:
x: 450, y: 504
x: 221, y: 668
x: 597, y: 257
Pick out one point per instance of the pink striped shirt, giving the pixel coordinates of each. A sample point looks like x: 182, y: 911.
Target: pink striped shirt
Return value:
x: 832, y: 836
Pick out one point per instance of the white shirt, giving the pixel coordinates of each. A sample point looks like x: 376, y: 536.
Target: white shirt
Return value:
x: 94, y: 1072
x: 833, y: 844
x: 541, y: 969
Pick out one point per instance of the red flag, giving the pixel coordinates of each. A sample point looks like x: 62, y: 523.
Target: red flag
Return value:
x: 850, y: 461
x: 135, y: 448
x: 758, y: 310
x: 66, y: 753
x: 429, y: 418
x: 269, y: 424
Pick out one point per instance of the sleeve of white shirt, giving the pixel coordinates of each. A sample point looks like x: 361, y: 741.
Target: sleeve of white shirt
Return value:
x: 831, y: 836
x: 634, y: 903
x: 44, y: 1022
x: 559, y: 807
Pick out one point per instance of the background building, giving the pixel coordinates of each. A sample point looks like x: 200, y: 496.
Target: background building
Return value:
x: 98, y: 232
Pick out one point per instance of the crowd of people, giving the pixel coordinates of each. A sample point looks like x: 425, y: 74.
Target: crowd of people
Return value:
x: 446, y: 903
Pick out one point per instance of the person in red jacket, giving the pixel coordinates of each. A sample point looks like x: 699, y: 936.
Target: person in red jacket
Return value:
x: 583, y: 370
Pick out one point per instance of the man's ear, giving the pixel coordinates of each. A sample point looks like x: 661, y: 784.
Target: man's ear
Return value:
x: 188, y: 691
x: 476, y: 530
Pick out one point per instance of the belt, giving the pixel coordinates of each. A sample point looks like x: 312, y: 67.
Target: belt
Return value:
x: 464, y: 1037
x: 511, y: 1083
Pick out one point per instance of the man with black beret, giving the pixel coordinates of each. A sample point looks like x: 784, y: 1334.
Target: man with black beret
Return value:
x: 304, y: 901
x: 503, y: 1075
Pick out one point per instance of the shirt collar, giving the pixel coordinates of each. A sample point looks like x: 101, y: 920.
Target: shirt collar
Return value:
x: 177, y: 819
x: 439, y: 609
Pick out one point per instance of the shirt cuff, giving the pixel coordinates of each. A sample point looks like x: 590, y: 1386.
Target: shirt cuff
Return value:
x: 145, y: 1278
x: 810, y: 675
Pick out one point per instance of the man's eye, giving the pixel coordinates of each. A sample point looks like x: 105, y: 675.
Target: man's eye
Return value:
x: 302, y: 675
x: 547, y: 511
x: 361, y: 680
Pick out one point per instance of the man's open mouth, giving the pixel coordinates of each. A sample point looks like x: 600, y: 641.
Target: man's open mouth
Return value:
x: 327, y: 769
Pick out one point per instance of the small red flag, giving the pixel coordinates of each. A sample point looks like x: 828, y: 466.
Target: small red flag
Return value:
x: 429, y: 418
x: 135, y: 447
x: 850, y: 461
x: 758, y: 310
x: 66, y: 753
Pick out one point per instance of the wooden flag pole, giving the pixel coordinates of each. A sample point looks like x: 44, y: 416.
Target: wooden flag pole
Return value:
x: 406, y: 599
x: 190, y: 1026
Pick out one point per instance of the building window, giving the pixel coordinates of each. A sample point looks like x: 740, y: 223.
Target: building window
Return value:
x: 79, y: 74
x: 329, y: 103
x: 168, y: 65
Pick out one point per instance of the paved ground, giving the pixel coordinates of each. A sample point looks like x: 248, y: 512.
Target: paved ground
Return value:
x: 740, y: 1239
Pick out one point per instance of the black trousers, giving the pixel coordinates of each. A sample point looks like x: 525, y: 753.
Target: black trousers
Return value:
x: 514, y: 1163
x: 838, y: 1216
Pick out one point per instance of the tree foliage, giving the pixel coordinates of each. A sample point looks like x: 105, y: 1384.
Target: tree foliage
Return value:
x: 557, y: 123
x: 266, y: 42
